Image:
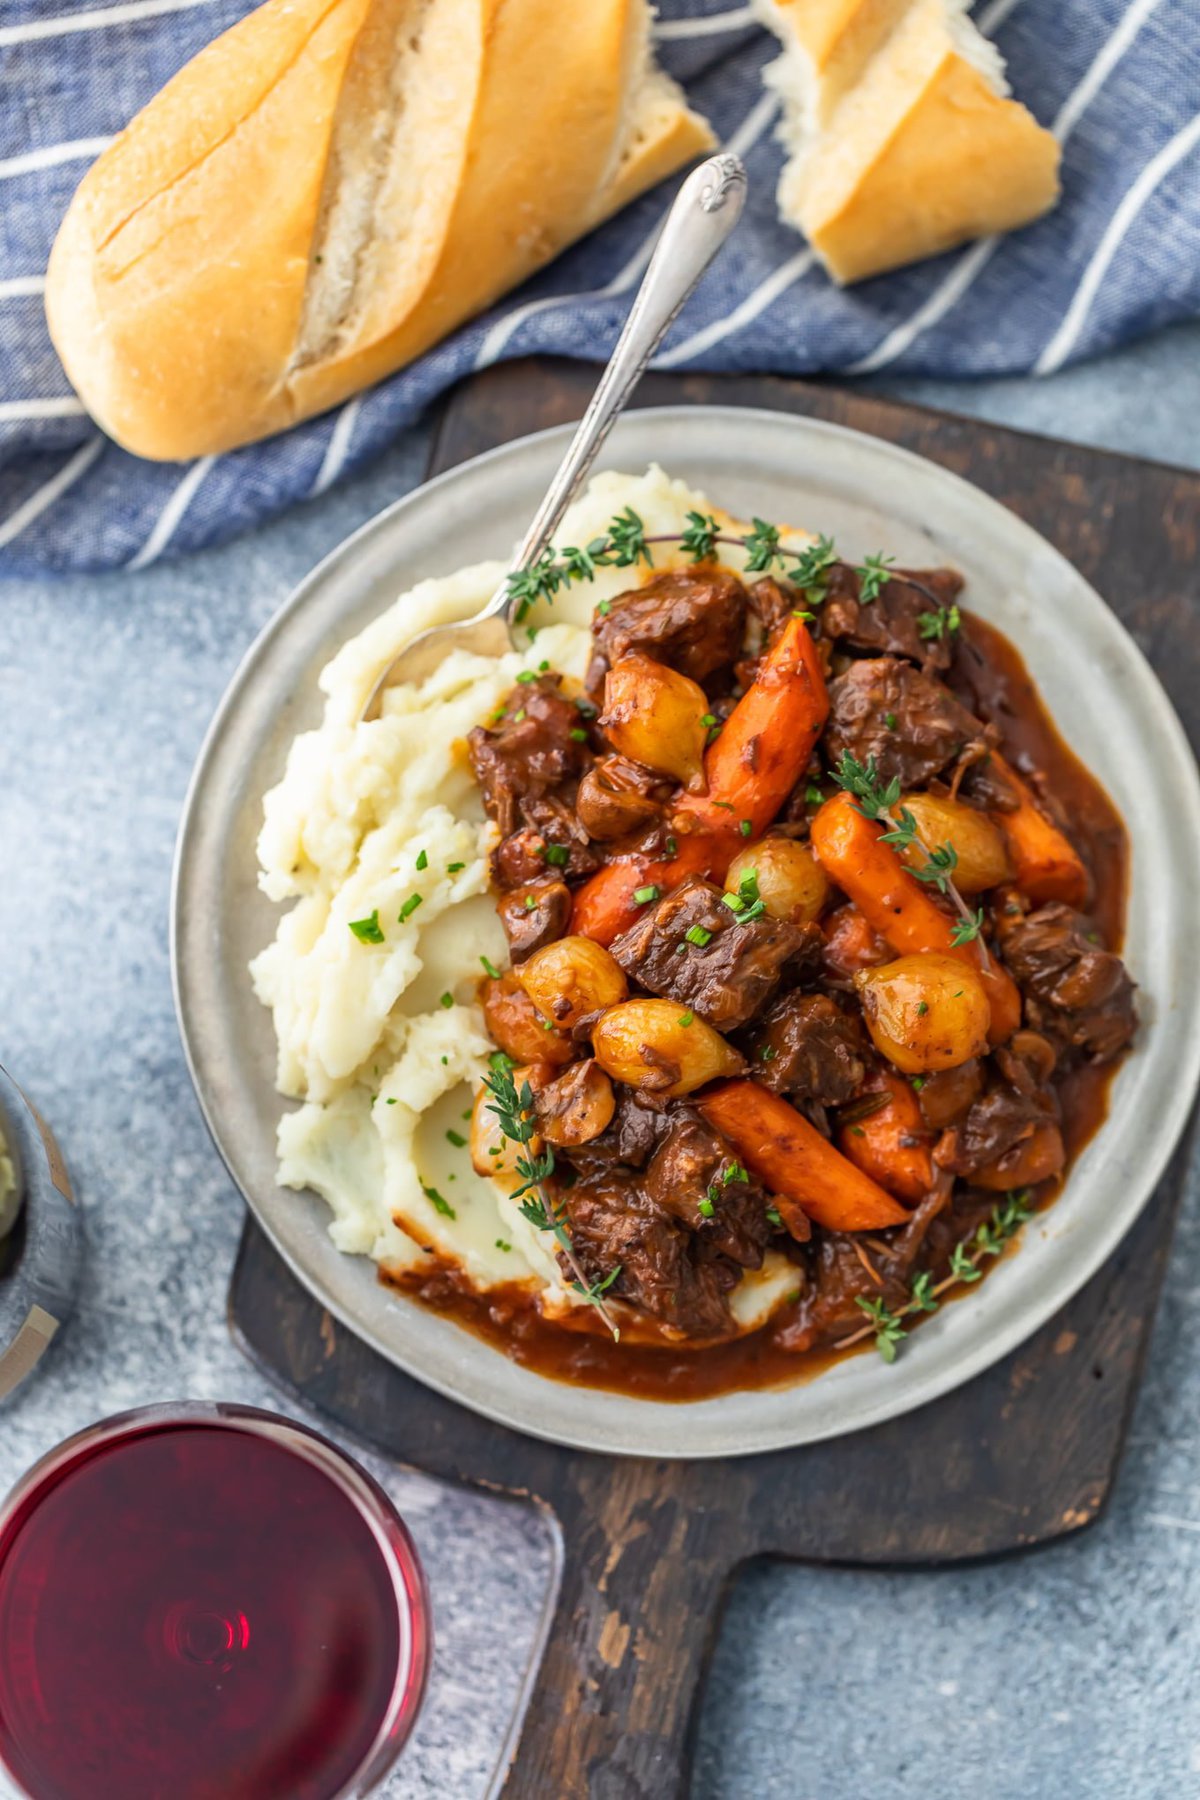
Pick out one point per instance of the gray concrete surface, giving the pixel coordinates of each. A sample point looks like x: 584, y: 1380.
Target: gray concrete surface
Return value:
x: 1073, y: 1673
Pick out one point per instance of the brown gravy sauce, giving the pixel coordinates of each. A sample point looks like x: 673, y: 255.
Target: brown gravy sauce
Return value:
x: 992, y: 680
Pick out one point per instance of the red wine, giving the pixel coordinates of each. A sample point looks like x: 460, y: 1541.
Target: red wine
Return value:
x: 199, y: 1608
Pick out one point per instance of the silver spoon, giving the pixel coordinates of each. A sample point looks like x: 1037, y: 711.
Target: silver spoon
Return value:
x: 705, y: 211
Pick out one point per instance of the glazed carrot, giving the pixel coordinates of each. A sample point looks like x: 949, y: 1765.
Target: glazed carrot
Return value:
x: 891, y: 1145
x: 1047, y: 865
x: 850, y: 943
x: 604, y: 906
x: 1037, y: 1158
x: 894, y: 903
x: 764, y: 745
x: 807, y: 1176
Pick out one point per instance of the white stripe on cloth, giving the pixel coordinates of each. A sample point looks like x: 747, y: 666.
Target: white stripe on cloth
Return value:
x: 17, y: 286
x: 1063, y: 341
x: 495, y: 340
x: 51, y: 154
x: 98, y: 20
x: 993, y: 16
x: 763, y: 296
x: 61, y: 406
x: 338, y: 447
x: 167, y: 523
x: 48, y: 493
x: 936, y: 305
x: 667, y: 30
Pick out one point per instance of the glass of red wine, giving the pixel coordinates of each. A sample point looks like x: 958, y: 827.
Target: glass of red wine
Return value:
x: 205, y: 1602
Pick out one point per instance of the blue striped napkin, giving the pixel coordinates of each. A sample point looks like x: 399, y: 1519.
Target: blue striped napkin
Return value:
x: 1118, y: 81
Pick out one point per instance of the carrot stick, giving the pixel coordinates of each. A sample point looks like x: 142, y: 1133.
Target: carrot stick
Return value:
x: 1048, y: 866
x: 764, y: 745
x: 808, y: 1177
x: 895, y: 904
x: 604, y: 906
x: 892, y: 1144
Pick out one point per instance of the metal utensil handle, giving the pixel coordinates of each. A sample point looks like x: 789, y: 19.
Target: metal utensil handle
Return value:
x: 705, y: 211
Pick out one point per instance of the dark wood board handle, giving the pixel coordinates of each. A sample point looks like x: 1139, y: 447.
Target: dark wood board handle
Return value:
x: 1024, y: 1454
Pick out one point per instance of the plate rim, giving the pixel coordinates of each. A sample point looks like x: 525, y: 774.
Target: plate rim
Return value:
x: 1023, y: 1323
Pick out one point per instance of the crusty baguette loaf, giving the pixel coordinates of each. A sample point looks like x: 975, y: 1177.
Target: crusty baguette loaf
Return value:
x: 329, y: 188
x: 902, y: 140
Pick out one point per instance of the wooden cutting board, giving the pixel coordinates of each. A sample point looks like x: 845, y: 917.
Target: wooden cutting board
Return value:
x: 1026, y: 1453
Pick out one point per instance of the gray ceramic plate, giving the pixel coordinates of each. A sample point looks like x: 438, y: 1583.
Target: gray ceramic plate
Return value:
x: 867, y: 494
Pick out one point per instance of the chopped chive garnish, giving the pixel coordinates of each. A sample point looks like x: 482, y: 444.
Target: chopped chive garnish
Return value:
x: 557, y: 855
x: 410, y: 906
x: 699, y: 936
x: 489, y: 968
x: 644, y: 895
x: 773, y: 1215
x: 447, y: 1001
x: 453, y: 868
x: 672, y: 846
x: 746, y: 827
x: 705, y: 1207
x: 457, y: 1139
x: 687, y: 1018
x: 525, y: 676
x: 368, y: 931
x: 577, y: 734
x: 440, y: 1204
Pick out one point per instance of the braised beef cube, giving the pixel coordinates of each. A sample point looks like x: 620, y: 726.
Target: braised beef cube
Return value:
x: 1074, y: 989
x: 630, y: 1138
x: 693, y: 948
x: 809, y: 1048
x: 909, y: 723
x: 774, y: 602
x: 695, y: 1176
x: 614, y: 1225
x: 529, y: 750
x: 994, y: 1125
x: 900, y: 620
x: 551, y: 843
x: 528, y: 927
x: 691, y: 620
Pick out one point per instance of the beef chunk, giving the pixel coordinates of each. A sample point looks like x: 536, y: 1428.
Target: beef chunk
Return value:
x: 551, y: 842
x: 774, y: 602
x: 529, y: 751
x: 815, y: 1050
x: 695, y: 1176
x: 994, y: 1125
x: 691, y: 620
x: 892, y: 622
x: 630, y: 1138
x: 1074, y: 990
x: 614, y: 1223
x: 930, y: 725
x: 617, y: 796
x: 527, y: 927
x: 728, y: 974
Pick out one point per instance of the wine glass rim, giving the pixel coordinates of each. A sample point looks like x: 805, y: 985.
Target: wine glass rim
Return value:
x: 388, y: 1530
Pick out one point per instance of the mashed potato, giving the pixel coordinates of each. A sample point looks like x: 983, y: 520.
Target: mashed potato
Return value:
x: 381, y: 825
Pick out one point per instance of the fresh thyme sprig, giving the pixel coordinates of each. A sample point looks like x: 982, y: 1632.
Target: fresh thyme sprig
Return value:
x: 935, y: 625
x: 874, y: 799
x: 872, y: 573
x: 626, y: 543
x: 989, y: 1239
x: 514, y: 1110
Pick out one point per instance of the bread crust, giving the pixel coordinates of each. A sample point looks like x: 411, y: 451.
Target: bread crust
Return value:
x: 905, y: 140
x: 205, y: 290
